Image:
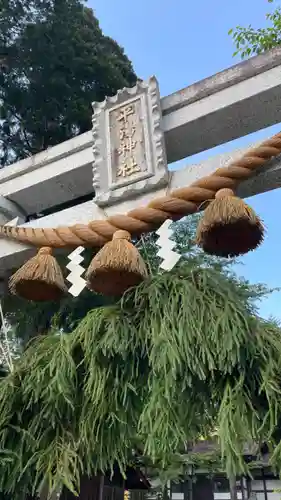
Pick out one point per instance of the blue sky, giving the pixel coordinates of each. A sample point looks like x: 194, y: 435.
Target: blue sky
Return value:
x: 181, y: 42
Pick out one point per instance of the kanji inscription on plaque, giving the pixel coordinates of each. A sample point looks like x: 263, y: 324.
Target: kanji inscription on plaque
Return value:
x: 129, y: 152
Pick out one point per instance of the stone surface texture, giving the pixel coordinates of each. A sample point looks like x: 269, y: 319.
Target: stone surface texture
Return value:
x: 128, y: 144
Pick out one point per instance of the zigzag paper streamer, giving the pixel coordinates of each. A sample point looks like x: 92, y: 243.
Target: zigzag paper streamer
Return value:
x: 166, y: 245
x: 13, y: 223
x: 78, y: 283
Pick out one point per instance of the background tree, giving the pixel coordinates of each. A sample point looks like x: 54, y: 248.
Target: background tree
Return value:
x: 55, y: 61
x: 251, y: 41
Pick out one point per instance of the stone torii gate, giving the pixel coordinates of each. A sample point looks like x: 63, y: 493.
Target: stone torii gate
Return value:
x: 123, y: 162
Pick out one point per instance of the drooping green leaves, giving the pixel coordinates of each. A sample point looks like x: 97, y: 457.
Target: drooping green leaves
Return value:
x: 180, y: 357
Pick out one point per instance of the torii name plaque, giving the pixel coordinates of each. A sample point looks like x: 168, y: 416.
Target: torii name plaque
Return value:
x: 129, y: 149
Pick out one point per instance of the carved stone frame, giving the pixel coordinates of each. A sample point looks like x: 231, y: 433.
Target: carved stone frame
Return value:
x: 156, y: 175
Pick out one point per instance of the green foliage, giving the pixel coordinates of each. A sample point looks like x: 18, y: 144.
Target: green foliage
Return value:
x: 250, y: 41
x: 54, y: 61
x: 177, y: 358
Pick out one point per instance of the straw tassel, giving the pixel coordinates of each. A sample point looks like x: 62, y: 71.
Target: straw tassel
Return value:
x: 229, y: 227
x: 39, y: 279
x: 116, y: 267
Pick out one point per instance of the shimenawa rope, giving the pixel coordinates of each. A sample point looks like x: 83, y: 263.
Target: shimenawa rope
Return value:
x: 179, y: 203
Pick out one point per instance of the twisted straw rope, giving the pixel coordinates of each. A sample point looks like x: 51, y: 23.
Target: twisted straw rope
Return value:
x: 179, y: 203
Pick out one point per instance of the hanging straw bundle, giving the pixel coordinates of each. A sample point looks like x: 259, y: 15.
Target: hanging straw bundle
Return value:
x: 229, y: 227
x: 116, y: 267
x: 39, y: 279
